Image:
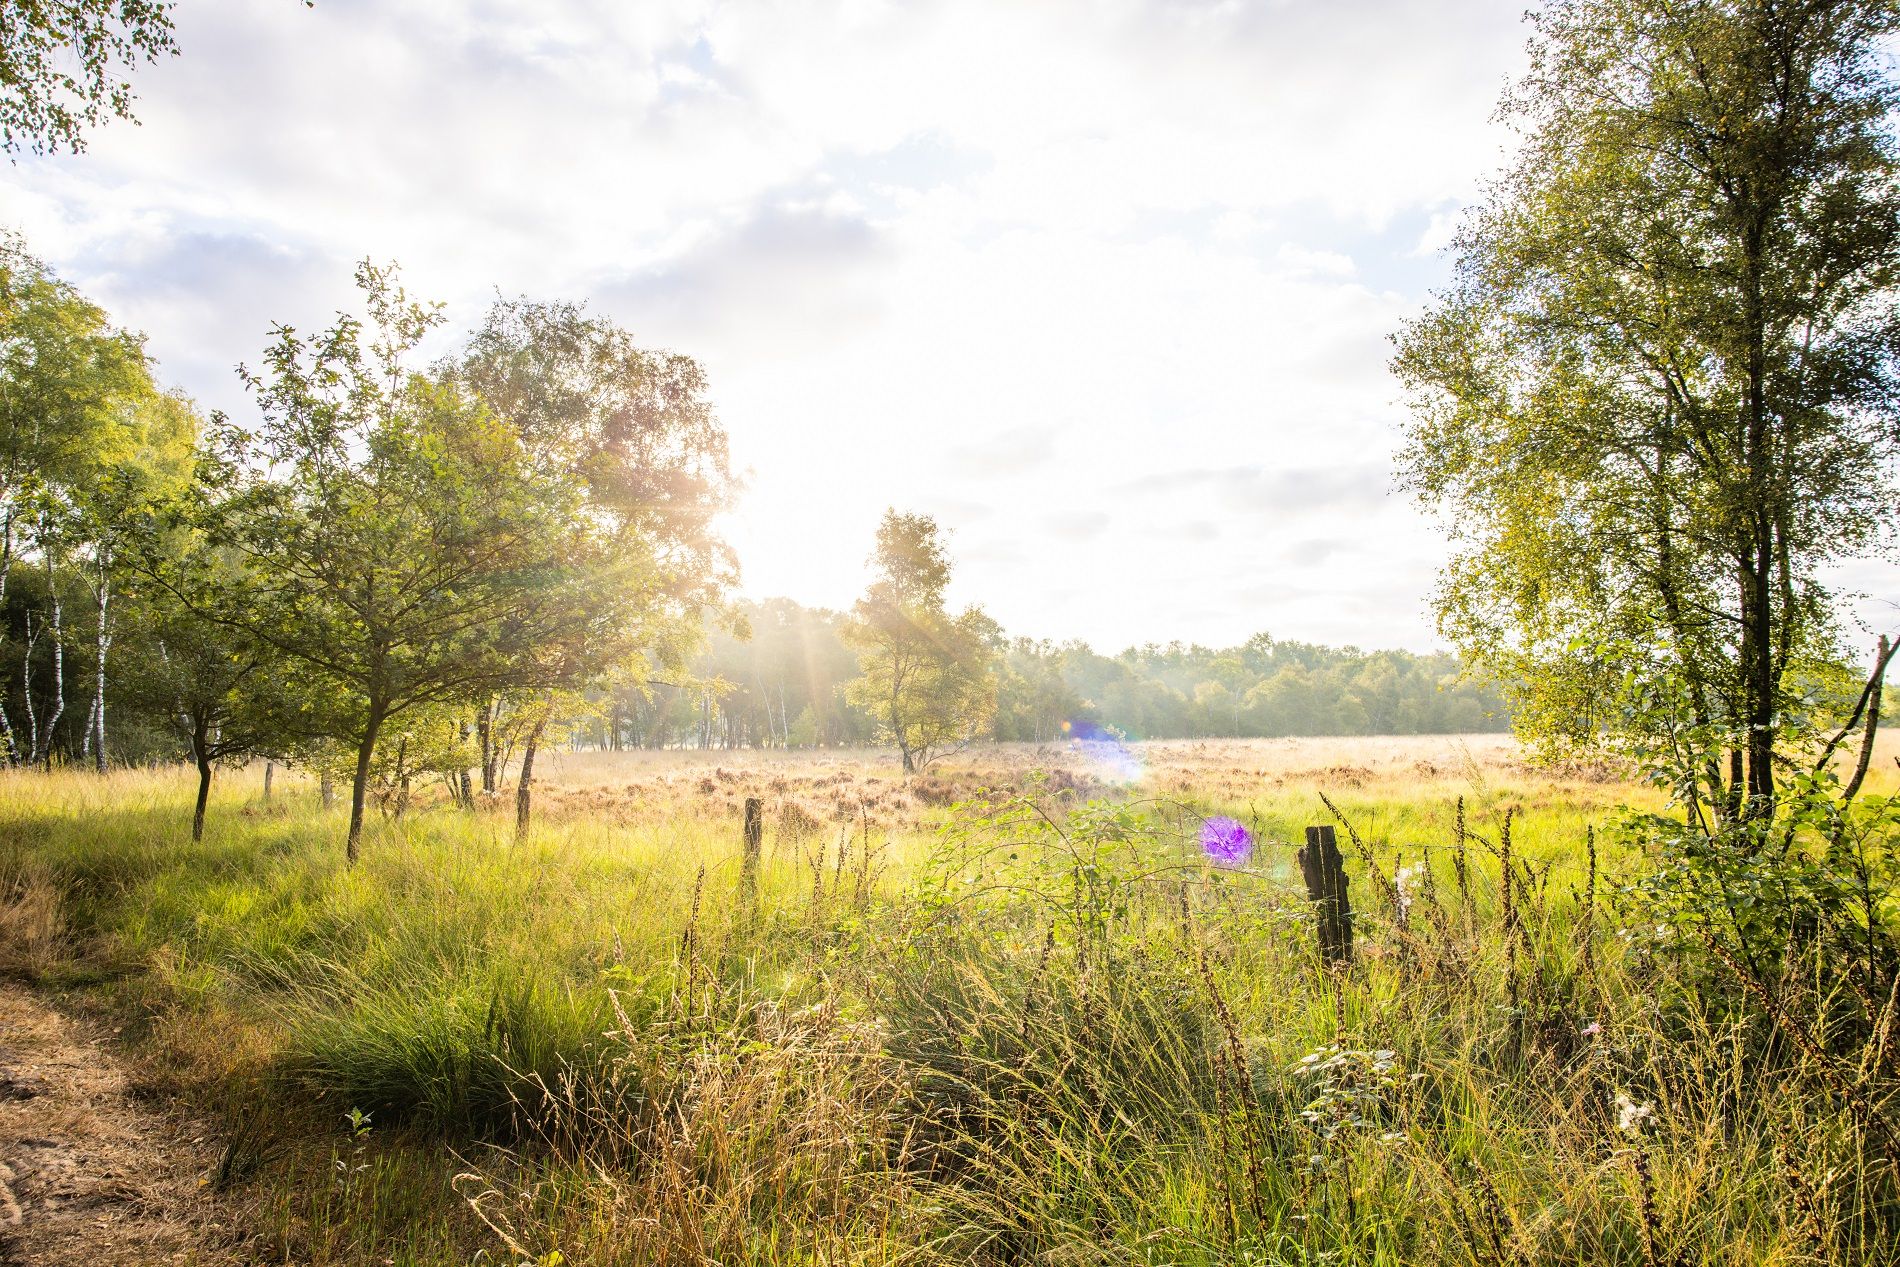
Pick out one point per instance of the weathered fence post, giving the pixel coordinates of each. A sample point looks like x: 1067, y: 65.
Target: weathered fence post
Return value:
x: 754, y: 846
x: 1325, y: 874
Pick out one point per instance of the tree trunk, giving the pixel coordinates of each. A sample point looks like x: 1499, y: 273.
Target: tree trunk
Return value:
x: 464, y: 780
x: 270, y: 769
x: 524, y: 786
x: 1761, y: 736
x: 59, y: 665
x: 200, y: 753
x: 1873, y: 721
x: 102, y: 643
x: 6, y: 569
x: 26, y: 693
x: 204, y: 795
x: 326, y: 789
x: 1758, y: 683
x: 897, y: 720
x: 1758, y: 633
x: 485, y: 734
x: 359, y: 786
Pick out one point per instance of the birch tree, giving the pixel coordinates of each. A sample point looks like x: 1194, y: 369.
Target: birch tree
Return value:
x: 110, y: 511
x: 76, y: 401
x: 1657, y: 403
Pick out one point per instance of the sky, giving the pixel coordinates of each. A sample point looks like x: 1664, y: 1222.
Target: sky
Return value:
x: 1106, y: 288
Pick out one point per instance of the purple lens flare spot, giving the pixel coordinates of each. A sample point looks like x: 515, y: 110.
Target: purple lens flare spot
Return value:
x: 1226, y: 840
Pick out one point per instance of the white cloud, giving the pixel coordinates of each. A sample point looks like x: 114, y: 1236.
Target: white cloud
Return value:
x: 1302, y: 260
x: 1438, y: 234
x: 1016, y: 265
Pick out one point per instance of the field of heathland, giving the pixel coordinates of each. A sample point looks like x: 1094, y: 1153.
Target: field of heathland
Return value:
x: 1009, y: 1010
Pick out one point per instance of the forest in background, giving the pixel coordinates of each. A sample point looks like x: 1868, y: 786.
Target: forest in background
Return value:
x: 781, y: 684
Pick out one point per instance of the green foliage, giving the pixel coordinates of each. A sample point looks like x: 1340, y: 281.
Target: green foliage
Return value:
x: 1654, y: 403
x: 85, y: 439
x: 1811, y: 884
x: 1265, y: 687
x: 397, y: 541
x: 630, y: 425
x: 777, y: 684
x: 78, y: 400
x: 62, y: 64
x: 221, y: 694
x: 926, y: 674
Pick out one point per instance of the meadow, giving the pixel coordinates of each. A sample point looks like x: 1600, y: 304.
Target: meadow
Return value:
x: 1005, y: 1011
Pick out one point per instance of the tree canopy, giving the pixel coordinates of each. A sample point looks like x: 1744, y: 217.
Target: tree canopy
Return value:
x: 397, y: 539
x: 926, y: 675
x: 84, y: 432
x: 1657, y: 401
x: 63, y: 66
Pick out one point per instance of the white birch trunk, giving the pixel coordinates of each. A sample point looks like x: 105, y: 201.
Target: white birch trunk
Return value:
x: 26, y: 692
x: 102, y: 643
x: 59, y: 665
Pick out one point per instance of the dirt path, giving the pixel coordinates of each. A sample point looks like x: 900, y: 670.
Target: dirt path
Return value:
x: 89, y: 1175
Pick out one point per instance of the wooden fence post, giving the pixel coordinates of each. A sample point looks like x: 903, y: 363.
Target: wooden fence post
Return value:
x: 1325, y: 874
x: 754, y: 846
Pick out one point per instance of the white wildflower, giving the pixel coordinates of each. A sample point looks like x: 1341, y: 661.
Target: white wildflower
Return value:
x: 1632, y: 1117
x: 1407, y: 881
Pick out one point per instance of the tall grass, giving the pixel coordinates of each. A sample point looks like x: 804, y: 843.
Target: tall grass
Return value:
x: 1023, y: 1030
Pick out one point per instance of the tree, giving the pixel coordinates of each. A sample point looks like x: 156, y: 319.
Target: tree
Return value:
x: 63, y: 66
x: 217, y: 690
x: 1033, y: 698
x: 1657, y: 401
x: 633, y: 429
x: 926, y: 676
x: 397, y: 540
x: 108, y: 514
x: 79, y: 415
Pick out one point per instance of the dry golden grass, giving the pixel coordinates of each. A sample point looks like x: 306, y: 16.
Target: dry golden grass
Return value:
x: 901, y: 1048
x: 806, y: 788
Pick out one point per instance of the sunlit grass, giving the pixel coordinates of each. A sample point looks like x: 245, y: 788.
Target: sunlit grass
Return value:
x: 625, y: 1060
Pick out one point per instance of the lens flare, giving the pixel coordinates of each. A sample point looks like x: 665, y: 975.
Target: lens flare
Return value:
x: 1105, y: 751
x: 1227, y: 841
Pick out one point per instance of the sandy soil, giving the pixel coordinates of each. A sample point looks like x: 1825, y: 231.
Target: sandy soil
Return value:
x: 88, y: 1173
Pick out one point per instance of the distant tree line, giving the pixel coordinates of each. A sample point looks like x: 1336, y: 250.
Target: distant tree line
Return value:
x: 785, y: 686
